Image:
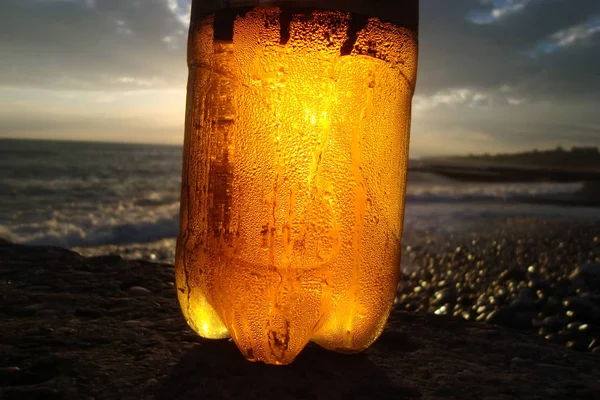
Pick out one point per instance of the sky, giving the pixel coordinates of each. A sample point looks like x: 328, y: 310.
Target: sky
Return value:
x: 494, y: 75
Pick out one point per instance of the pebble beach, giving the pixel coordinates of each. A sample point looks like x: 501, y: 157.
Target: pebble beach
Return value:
x: 538, y: 275
x: 109, y: 328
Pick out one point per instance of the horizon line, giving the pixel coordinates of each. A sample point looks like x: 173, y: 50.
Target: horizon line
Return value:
x: 89, y: 141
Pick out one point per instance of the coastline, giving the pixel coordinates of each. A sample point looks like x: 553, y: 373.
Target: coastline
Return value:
x: 533, y: 268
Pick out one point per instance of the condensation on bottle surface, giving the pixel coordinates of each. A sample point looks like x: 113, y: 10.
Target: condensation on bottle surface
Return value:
x: 294, y: 176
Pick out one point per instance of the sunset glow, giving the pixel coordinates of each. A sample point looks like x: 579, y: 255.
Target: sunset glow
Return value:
x: 494, y: 75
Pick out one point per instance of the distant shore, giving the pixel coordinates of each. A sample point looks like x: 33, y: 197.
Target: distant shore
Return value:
x: 574, y: 158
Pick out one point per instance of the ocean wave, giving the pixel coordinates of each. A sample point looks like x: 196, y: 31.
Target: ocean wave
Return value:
x: 466, y: 192
x: 105, y: 225
x: 154, y: 215
x: 71, y: 235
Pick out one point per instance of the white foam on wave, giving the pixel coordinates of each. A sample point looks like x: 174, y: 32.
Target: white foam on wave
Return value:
x: 98, y: 224
x: 472, y: 192
x: 123, y: 211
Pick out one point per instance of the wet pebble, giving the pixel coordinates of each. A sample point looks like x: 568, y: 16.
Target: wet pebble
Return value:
x: 552, y: 323
x: 579, y: 345
x: 525, y: 280
x: 580, y: 306
x: 445, y: 296
x: 502, y: 316
x: 525, y: 300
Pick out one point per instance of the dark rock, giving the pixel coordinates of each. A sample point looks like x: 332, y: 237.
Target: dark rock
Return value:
x: 525, y: 300
x: 564, y: 336
x: 105, y: 259
x: 33, y: 393
x: 138, y: 291
x: 40, y: 288
x: 46, y: 313
x: 34, y: 307
x: 578, y: 345
x: 574, y: 326
x: 500, y: 293
x: 580, y: 307
x: 89, y: 313
x: 523, y: 320
x: 555, y: 371
x: 502, y: 316
x: 520, y: 362
x: 445, y: 296
x: 517, y: 274
x: 552, y: 304
x: 65, y: 330
x: 142, y: 347
x: 587, y: 271
x: 552, y: 323
x: 536, y: 283
x: 9, y: 375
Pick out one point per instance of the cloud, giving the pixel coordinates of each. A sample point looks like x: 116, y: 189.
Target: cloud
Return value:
x: 83, y: 44
x: 182, y: 9
x: 498, y: 9
x: 515, y: 102
x: 582, y: 33
x: 492, y: 73
x: 574, y: 34
x: 452, y: 98
x: 524, y: 101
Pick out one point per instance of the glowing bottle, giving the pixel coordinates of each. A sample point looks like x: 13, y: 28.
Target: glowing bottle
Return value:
x: 294, y: 172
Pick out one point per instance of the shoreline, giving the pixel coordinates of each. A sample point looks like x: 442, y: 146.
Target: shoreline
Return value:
x: 162, y: 250
x: 537, y: 274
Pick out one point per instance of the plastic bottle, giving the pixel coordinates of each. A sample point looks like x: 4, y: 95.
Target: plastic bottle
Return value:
x: 294, y: 172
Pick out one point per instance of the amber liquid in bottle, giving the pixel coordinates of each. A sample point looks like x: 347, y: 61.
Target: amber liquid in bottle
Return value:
x: 294, y: 177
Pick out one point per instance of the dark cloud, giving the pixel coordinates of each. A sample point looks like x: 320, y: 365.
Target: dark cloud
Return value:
x: 95, y: 44
x: 455, y: 52
x: 90, y: 44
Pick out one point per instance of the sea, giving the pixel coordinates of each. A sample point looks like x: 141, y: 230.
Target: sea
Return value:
x: 102, y: 198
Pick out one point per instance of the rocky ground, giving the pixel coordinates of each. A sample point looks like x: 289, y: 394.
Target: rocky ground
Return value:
x: 108, y: 328
x: 535, y: 274
x: 531, y: 274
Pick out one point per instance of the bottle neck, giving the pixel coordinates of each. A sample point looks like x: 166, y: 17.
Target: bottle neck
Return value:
x: 400, y: 12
